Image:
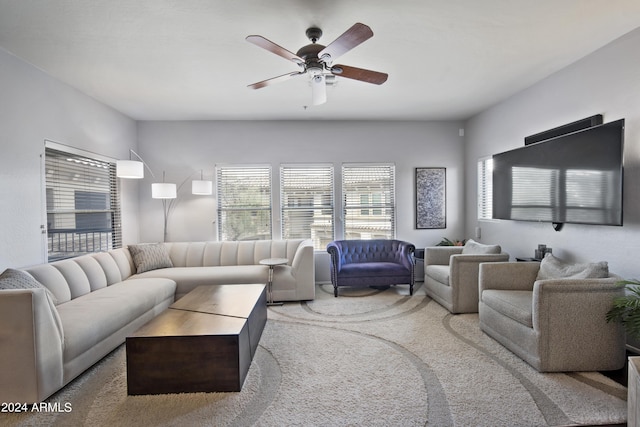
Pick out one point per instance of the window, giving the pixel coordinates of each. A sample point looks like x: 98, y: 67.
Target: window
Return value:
x: 369, y: 201
x: 485, y: 188
x: 244, y: 202
x: 307, y: 203
x: 83, y: 204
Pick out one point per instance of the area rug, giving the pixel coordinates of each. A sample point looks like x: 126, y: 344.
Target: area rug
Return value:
x: 367, y: 358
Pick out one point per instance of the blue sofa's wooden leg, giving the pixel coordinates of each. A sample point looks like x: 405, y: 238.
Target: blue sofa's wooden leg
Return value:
x: 410, y: 289
x: 335, y: 291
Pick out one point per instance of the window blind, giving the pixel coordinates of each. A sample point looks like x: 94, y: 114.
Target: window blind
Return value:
x: 369, y: 201
x: 83, y: 205
x: 485, y: 188
x: 244, y: 202
x: 307, y: 201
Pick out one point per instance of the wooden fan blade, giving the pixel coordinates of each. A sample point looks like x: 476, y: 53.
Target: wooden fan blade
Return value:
x: 274, y: 80
x: 351, y: 38
x: 274, y: 48
x: 361, y: 74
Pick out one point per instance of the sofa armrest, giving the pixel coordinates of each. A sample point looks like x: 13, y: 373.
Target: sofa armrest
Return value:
x: 479, y: 258
x: 440, y: 255
x: 572, y: 314
x: 464, y: 274
x: 31, y: 345
x: 516, y: 276
x: 573, y: 300
x: 336, y: 256
x: 406, y: 255
x: 303, y: 258
x: 465, y: 267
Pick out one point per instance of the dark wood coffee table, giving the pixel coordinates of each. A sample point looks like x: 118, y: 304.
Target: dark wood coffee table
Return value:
x: 205, y: 341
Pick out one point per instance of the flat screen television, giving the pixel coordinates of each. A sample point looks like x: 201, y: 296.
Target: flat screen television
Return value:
x: 573, y: 178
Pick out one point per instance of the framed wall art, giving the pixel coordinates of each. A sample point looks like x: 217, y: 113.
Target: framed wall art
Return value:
x: 431, y: 204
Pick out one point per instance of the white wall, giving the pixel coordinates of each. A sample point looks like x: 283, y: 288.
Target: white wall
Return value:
x: 182, y: 148
x: 606, y: 82
x: 36, y: 107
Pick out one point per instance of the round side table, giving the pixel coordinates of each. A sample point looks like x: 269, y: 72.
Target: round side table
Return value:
x: 272, y: 262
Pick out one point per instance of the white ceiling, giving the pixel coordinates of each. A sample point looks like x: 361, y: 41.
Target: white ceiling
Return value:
x: 188, y: 59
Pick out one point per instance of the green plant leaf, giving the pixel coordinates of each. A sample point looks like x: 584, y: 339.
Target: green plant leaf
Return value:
x: 626, y: 309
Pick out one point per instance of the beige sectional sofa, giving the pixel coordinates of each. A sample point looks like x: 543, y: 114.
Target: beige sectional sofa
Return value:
x: 206, y: 263
x: 82, y: 308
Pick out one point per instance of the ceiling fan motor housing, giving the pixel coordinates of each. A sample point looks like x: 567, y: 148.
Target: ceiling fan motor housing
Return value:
x: 310, y: 55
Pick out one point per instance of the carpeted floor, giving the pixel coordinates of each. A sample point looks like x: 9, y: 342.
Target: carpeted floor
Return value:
x: 366, y: 358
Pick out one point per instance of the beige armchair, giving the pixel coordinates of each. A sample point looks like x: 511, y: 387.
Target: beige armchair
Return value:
x: 451, y: 274
x: 554, y: 325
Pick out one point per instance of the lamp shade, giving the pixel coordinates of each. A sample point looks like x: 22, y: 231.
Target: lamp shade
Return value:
x: 129, y: 169
x: 201, y: 187
x: 163, y: 190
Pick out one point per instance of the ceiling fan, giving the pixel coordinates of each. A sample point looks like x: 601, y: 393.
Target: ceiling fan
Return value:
x: 316, y: 60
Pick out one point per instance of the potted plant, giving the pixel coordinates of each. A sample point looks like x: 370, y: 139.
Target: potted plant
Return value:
x: 626, y: 309
x: 455, y: 242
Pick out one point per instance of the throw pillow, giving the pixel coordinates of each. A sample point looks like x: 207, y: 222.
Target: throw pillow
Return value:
x: 18, y: 279
x: 474, y: 248
x: 555, y: 268
x: 150, y: 256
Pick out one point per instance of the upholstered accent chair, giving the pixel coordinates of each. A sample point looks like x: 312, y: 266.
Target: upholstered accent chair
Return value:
x: 451, y: 273
x: 556, y: 324
x: 378, y: 262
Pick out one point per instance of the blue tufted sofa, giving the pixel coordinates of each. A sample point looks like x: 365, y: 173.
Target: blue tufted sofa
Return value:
x: 361, y: 263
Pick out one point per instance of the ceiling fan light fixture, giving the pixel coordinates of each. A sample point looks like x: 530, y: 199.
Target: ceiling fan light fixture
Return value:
x: 315, y: 69
x: 318, y: 90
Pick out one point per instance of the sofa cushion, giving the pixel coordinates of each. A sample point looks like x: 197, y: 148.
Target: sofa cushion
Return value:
x: 189, y: 278
x: 555, y: 268
x: 517, y: 305
x: 75, y: 277
x: 124, y: 262
x: 474, y: 248
x: 231, y: 253
x: 53, y: 279
x: 150, y: 256
x: 90, y: 319
x: 375, y: 269
x: 440, y: 273
x: 109, y: 267
x: 18, y: 279
x: 94, y: 271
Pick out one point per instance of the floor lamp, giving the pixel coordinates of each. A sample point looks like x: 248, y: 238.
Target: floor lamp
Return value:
x: 165, y: 191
